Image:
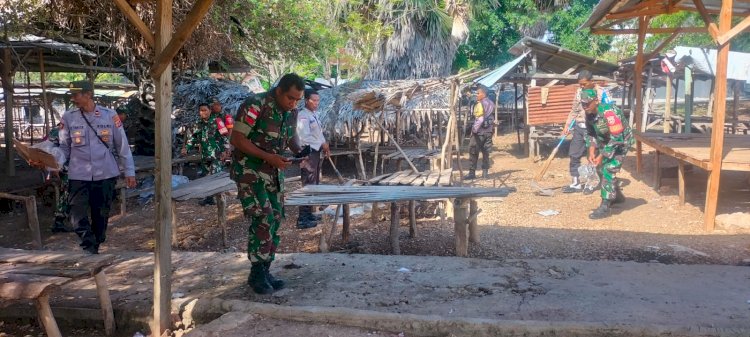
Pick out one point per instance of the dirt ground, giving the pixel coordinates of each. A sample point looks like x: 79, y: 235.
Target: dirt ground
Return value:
x: 650, y: 226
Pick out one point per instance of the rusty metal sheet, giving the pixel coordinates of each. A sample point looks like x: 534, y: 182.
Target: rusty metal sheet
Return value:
x: 555, y: 110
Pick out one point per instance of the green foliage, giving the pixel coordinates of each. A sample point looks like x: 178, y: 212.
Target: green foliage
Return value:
x: 563, y: 25
x: 491, y: 35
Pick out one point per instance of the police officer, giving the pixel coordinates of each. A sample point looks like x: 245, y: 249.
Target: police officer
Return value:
x: 608, y: 132
x: 89, y: 137
x: 481, y: 133
x: 578, y: 143
x: 210, y: 137
x: 263, y: 129
x: 310, y: 132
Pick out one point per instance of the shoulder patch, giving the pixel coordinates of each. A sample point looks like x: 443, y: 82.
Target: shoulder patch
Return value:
x: 251, y: 115
x: 116, y: 119
x: 614, y: 122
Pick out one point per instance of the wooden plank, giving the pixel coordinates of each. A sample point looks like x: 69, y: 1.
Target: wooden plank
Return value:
x: 445, y: 178
x: 375, y: 180
x: 681, y: 181
x: 182, y: 33
x: 717, y: 136
x: 72, y: 272
x: 472, y: 221
x: 27, y: 287
x: 33, y: 221
x: 460, y: 214
x: 387, y: 181
x: 432, y: 179
x: 408, y: 179
x: 59, y: 260
x: 421, y: 179
x: 136, y: 21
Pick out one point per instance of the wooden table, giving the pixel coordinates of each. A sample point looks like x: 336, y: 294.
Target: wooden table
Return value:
x: 465, y: 208
x: 34, y: 274
x: 31, y: 214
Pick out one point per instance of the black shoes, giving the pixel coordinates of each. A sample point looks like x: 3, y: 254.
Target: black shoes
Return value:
x: 470, y: 176
x: 619, y: 197
x: 305, y: 221
x: 275, y: 283
x: 92, y: 249
x: 485, y: 173
x: 601, y: 212
x: 207, y: 201
x: 257, y: 279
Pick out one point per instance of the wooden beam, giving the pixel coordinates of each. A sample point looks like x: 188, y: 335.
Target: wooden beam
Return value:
x: 739, y: 28
x: 661, y: 45
x: 183, y: 32
x: 133, y: 17
x: 637, y: 13
x: 642, y: 25
x: 6, y: 75
x: 717, y: 134
x: 553, y: 82
x: 631, y: 31
x: 163, y: 173
x: 83, y: 67
x: 712, y: 29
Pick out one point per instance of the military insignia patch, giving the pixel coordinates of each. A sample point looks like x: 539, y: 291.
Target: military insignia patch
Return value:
x: 251, y: 115
x: 614, y: 122
x: 118, y: 122
x: 97, y: 113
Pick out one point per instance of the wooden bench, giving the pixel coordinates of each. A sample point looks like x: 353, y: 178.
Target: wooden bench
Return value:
x: 31, y: 215
x: 34, y: 274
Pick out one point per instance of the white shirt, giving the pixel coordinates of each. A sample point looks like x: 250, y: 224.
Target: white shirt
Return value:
x: 309, y: 129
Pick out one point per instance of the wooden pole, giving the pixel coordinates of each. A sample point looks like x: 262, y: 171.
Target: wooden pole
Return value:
x: 412, y: 219
x: 688, y: 100
x: 735, y: 105
x: 102, y: 291
x: 647, y: 105
x: 47, y: 109
x: 497, y: 99
x: 136, y: 21
x: 221, y: 205
x: 395, y: 249
x: 460, y: 217
x: 163, y: 173
x: 711, y: 99
x: 33, y: 219
x: 6, y: 74
x: 473, y: 215
x: 717, y: 134
x: 668, y: 106
x: 46, y: 316
x: 182, y: 33
x: 642, y: 25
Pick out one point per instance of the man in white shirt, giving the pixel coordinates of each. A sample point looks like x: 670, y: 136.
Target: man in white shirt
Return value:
x: 310, y: 132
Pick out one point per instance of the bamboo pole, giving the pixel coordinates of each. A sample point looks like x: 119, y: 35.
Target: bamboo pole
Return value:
x: 717, y: 135
x: 642, y: 25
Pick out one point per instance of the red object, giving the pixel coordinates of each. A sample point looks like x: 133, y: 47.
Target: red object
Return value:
x: 229, y: 122
x: 221, y: 126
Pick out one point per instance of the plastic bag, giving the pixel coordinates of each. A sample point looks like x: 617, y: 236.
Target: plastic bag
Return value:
x: 587, y: 175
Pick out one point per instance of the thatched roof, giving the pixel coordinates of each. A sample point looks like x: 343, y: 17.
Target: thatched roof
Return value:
x: 189, y: 95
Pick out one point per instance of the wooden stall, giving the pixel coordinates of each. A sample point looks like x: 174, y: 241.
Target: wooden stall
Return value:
x: 609, y: 16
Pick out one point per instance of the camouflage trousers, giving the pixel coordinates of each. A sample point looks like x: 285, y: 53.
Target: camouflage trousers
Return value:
x: 210, y: 166
x: 62, y: 209
x: 263, y: 206
x: 609, y: 169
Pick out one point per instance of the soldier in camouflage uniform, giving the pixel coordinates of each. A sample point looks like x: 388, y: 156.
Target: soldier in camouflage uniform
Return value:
x: 211, y: 143
x: 263, y: 129
x: 62, y: 209
x: 609, y: 134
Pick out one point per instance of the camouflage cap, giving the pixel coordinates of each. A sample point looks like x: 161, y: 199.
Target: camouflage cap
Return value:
x: 588, y: 95
x: 80, y: 86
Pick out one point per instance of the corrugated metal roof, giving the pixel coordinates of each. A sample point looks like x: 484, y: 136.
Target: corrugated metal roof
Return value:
x: 494, y: 76
x: 552, y: 109
x: 556, y: 60
x: 605, y: 7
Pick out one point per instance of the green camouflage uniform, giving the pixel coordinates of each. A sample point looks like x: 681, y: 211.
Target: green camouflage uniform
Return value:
x: 62, y: 209
x: 260, y: 186
x: 211, y: 143
x: 610, y: 133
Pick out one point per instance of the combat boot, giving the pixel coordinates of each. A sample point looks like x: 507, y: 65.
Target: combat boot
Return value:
x: 275, y: 282
x: 59, y: 225
x: 601, y: 212
x: 485, y: 173
x: 471, y: 175
x: 619, y: 197
x: 257, y: 279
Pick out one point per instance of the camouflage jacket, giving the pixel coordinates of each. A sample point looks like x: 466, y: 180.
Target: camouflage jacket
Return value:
x: 272, y: 130
x: 608, y: 130
x: 207, y: 135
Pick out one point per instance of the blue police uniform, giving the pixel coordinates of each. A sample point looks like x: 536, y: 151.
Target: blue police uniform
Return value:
x: 93, y: 169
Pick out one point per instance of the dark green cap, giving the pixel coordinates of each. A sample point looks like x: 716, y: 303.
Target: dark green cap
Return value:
x: 80, y: 86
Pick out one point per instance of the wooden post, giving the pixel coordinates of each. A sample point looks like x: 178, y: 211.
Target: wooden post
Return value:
x: 45, y: 315
x: 689, y: 99
x: 6, y: 74
x: 346, y: 223
x: 638, y: 78
x: 711, y: 99
x: 430, y: 140
x: 33, y: 219
x: 395, y: 249
x: 497, y: 99
x: 668, y: 106
x: 163, y: 173
x: 657, y: 171
x: 123, y: 202
x: 221, y: 205
x: 412, y: 219
x: 473, y: 215
x: 681, y: 181
x: 460, y: 217
x: 102, y: 291
x: 47, y: 110
x: 717, y: 136
x: 735, y: 105
x: 174, y: 224
x: 646, y: 105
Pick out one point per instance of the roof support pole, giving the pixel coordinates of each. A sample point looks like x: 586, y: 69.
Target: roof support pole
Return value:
x: 717, y: 130
x: 163, y: 173
x: 6, y: 74
x: 638, y: 79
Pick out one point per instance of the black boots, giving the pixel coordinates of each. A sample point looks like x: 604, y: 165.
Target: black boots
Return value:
x: 275, y: 283
x: 207, y: 201
x: 601, y: 212
x: 261, y: 280
x: 471, y: 175
x: 619, y: 197
x: 257, y: 279
x: 485, y: 173
x: 59, y: 225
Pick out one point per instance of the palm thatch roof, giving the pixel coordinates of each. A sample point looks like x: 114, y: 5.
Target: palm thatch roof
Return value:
x: 190, y: 94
